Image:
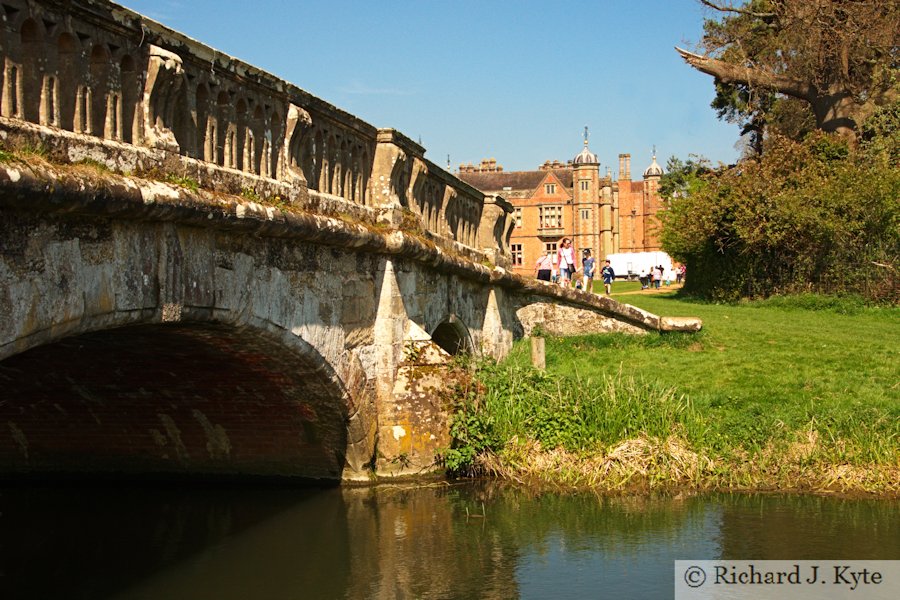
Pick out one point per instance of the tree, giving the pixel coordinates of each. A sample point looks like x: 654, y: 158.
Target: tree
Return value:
x: 840, y: 57
x: 817, y: 215
x: 880, y: 135
x: 683, y: 177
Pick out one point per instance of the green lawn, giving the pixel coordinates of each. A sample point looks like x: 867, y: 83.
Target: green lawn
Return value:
x: 775, y: 356
x: 757, y: 381
x: 759, y: 368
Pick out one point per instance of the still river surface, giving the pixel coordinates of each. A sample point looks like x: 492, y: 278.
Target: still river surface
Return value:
x: 474, y: 540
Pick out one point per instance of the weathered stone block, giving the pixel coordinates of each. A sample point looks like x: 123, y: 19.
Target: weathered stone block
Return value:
x: 556, y: 319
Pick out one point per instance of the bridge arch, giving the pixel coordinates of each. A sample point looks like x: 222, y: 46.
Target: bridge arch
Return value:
x: 191, y: 398
x: 452, y: 335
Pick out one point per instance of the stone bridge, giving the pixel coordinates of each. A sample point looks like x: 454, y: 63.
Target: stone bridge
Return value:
x: 205, y: 270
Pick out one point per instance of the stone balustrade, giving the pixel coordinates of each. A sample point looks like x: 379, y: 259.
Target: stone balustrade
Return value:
x: 95, y: 80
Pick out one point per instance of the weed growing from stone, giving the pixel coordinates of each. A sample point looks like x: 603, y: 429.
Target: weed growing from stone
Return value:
x: 33, y: 149
x: 249, y: 194
x: 187, y: 183
x: 93, y: 165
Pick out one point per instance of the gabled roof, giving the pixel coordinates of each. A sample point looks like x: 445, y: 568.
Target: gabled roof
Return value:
x: 516, y: 180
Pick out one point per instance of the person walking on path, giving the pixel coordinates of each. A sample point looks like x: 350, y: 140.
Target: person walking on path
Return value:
x: 587, y: 270
x: 608, y: 275
x: 565, y: 260
x: 543, y: 268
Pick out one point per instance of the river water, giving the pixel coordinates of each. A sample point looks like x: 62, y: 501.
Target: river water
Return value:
x: 473, y: 540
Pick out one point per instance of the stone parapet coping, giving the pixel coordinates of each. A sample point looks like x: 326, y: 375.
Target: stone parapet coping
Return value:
x: 37, y: 186
x: 64, y: 148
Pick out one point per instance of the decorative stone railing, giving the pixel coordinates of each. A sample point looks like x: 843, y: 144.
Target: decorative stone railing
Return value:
x: 92, y: 80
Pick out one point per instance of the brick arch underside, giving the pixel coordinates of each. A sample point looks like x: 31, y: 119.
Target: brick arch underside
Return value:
x: 188, y: 399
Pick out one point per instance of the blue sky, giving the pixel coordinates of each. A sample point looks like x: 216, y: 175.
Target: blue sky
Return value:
x: 516, y: 81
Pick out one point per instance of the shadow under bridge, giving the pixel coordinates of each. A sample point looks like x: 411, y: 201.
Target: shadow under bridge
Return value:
x: 195, y: 399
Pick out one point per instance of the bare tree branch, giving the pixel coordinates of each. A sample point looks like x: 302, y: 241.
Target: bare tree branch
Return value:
x: 740, y: 11
x: 728, y: 73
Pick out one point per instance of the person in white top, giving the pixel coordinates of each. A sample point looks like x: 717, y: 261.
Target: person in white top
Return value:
x: 565, y: 260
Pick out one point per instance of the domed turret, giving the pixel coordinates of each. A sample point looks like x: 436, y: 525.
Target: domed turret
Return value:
x: 654, y: 170
x: 586, y: 157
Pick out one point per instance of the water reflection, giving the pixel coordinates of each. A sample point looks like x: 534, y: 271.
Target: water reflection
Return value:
x: 809, y: 528
x: 62, y: 542
x: 437, y: 541
x: 419, y: 543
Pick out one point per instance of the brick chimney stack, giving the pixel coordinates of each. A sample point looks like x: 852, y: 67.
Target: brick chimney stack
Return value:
x: 625, y: 166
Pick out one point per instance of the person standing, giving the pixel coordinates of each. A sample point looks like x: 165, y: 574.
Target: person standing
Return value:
x: 587, y: 270
x: 565, y: 260
x: 543, y: 268
x: 608, y: 275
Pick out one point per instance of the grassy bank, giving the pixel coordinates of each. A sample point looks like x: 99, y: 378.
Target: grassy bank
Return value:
x: 800, y: 393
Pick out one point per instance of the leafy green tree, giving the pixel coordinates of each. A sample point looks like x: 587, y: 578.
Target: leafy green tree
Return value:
x: 683, y: 177
x: 806, y: 216
x: 881, y: 135
x: 770, y: 57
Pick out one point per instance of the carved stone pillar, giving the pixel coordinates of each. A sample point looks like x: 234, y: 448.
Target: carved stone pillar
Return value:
x: 392, y: 174
x: 165, y: 78
x: 496, y: 219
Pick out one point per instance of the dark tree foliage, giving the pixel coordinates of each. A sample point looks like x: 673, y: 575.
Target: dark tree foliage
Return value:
x: 806, y: 210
